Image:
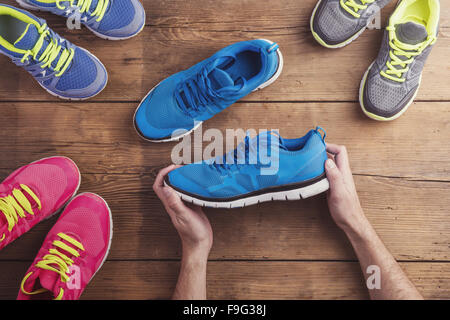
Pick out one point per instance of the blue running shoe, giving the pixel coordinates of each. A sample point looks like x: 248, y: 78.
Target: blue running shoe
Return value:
x: 61, y: 68
x: 261, y: 169
x: 107, y: 19
x: 179, y: 104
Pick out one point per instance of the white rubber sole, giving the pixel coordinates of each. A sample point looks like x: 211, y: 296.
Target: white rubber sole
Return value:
x: 110, y: 235
x: 339, y: 45
x: 179, y: 137
x: 27, y: 6
x: 295, y: 194
x: 377, y: 117
x: 79, y: 99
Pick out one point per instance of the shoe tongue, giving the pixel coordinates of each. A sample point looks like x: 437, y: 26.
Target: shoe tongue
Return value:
x: 48, y: 280
x: 28, y: 39
x: 271, y: 139
x: 411, y: 33
x: 220, y: 79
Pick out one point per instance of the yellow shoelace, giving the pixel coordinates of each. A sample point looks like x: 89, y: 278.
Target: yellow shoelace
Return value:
x: 59, y: 259
x: 401, y: 49
x: 50, y: 53
x: 14, y: 206
x: 84, y: 6
x: 353, y: 8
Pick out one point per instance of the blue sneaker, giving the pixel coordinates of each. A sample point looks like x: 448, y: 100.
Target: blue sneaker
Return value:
x: 179, y: 104
x: 108, y: 19
x: 261, y: 169
x: 61, y: 68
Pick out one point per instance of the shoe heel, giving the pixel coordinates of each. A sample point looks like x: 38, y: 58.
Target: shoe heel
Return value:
x: 277, y: 73
x: 27, y: 6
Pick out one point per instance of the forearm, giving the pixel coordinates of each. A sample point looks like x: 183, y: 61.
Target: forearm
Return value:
x: 191, y: 283
x: 370, y: 250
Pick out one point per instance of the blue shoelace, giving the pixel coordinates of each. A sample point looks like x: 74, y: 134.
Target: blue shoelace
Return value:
x: 196, y: 93
x: 245, y: 154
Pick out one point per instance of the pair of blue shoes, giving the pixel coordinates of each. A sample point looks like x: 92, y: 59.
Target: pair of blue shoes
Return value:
x: 264, y: 168
x: 60, y: 67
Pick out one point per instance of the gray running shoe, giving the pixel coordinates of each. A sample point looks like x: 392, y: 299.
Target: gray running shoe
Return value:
x: 391, y: 83
x: 336, y: 23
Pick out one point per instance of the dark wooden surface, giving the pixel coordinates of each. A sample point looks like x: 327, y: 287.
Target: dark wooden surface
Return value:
x: 275, y: 250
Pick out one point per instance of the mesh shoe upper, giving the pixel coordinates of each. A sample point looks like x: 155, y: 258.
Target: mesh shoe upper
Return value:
x: 121, y: 19
x: 287, y: 161
x: 85, y: 227
x: 53, y: 180
x: 335, y: 26
x: 206, y: 89
x: 383, y: 93
x: 59, y: 66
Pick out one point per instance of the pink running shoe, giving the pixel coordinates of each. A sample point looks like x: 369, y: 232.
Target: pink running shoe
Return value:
x: 33, y: 193
x: 72, y: 253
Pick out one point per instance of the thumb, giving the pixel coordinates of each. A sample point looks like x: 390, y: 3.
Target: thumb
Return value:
x: 171, y: 200
x: 333, y: 174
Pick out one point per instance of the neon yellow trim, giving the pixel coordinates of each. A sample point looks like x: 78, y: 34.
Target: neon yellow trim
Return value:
x: 323, y: 43
x: 33, y: 292
x: 8, y: 11
x: 23, y: 34
x: 60, y: 295
x: 425, y: 12
x: 50, y: 53
x: 14, y: 206
x: 59, y: 260
x: 377, y: 117
x: 353, y: 8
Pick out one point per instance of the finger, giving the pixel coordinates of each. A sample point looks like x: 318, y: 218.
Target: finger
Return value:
x: 340, y: 156
x: 333, y: 148
x: 159, y: 180
x: 330, y: 156
x: 172, y: 201
x: 334, y: 175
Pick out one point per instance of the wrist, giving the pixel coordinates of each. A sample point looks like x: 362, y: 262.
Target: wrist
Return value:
x: 197, y: 253
x: 359, y: 231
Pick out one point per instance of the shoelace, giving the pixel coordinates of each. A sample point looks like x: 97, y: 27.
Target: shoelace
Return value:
x: 15, y: 205
x: 55, y: 257
x: 400, y: 49
x: 352, y: 7
x: 84, y: 5
x: 50, y: 53
x: 246, y: 153
x: 197, y: 92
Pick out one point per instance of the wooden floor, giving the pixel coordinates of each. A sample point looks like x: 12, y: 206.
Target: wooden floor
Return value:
x: 271, y: 251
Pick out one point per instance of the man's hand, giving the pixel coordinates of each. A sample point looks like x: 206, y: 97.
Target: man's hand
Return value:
x: 346, y: 211
x: 196, y: 237
x: 190, y: 221
x: 343, y: 200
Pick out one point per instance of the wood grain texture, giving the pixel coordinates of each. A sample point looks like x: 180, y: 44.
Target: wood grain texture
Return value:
x: 410, y: 216
x: 415, y: 146
x: 178, y: 36
x: 240, y: 280
x: 280, y: 250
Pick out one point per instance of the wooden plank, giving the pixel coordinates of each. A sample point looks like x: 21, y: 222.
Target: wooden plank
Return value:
x: 410, y: 216
x: 414, y: 146
x: 184, y: 35
x: 240, y: 280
